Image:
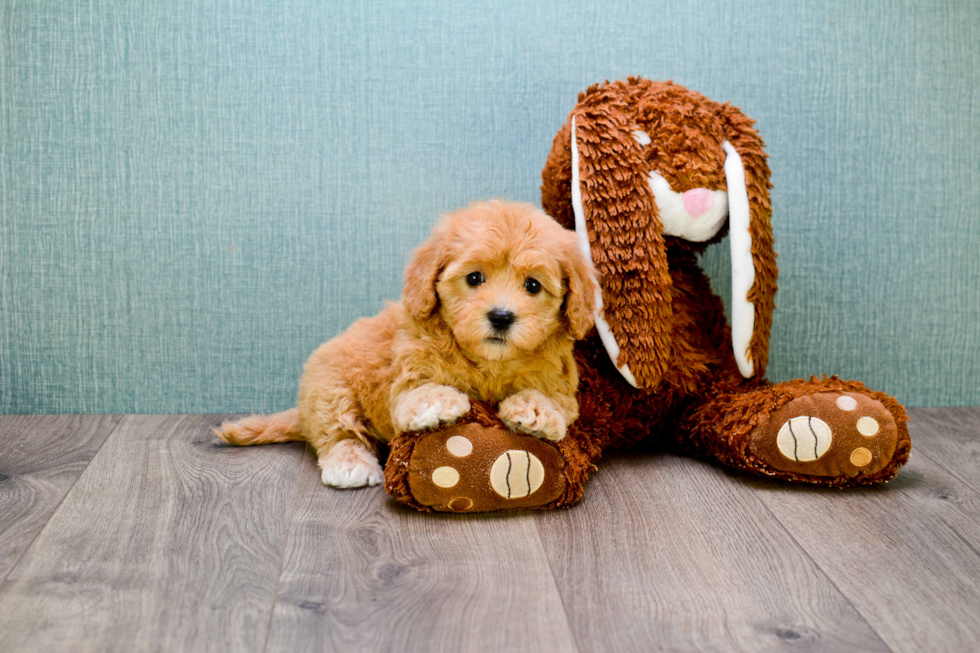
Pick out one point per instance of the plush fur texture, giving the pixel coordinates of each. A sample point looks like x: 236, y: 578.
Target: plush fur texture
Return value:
x: 670, y: 326
x: 492, y: 305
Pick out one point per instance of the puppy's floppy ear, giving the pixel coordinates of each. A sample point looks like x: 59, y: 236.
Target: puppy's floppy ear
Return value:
x: 422, y: 273
x: 579, y: 304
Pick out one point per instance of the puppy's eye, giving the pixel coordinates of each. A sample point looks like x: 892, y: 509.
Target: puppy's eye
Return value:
x: 474, y: 279
x: 533, y: 286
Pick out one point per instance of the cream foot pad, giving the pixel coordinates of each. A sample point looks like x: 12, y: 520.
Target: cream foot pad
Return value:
x: 804, y: 438
x: 472, y: 468
x: 827, y: 434
x: 516, y: 474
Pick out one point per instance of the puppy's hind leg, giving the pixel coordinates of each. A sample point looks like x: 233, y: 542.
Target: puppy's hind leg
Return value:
x: 348, y: 463
x: 346, y: 452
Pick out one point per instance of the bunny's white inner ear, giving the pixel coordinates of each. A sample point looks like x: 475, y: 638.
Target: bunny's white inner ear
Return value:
x: 601, y: 326
x: 743, y: 269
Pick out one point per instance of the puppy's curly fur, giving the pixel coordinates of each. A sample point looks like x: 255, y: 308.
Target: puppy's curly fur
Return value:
x: 491, y: 306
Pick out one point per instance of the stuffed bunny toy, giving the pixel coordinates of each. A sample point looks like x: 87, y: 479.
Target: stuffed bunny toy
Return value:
x: 649, y: 174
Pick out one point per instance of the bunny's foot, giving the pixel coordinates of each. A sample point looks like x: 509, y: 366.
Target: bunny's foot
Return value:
x: 827, y: 434
x: 479, y: 465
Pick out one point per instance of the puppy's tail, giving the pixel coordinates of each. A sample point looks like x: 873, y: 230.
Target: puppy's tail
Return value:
x: 262, y: 429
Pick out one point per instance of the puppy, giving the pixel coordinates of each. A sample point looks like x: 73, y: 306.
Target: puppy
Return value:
x: 491, y: 306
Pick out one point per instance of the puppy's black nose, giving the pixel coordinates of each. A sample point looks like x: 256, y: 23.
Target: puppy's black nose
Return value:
x: 500, y: 319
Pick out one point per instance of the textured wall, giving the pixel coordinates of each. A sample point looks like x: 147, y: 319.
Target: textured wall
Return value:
x: 194, y: 194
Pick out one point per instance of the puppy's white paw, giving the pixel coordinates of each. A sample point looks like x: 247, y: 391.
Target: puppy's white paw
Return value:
x: 531, y: 412
x: 429, y: 406
x: 349, y: 464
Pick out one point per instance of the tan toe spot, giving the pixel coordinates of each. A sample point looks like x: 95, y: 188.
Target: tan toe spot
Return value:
x: 846, y: 403
x: 445, y: 477
x: 459, y: 446
x: 460, y: 504
x: 867, y: 426
x: 860, y: 457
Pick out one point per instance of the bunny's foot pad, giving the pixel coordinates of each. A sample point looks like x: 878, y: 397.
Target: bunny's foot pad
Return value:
x: 475, y: 468
x: 828, y: 434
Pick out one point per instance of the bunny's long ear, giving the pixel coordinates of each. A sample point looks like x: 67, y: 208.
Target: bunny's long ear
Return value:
x: 619, y: 227
x: 754, y: 269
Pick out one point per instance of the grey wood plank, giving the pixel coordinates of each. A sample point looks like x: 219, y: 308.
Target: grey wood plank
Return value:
x: 169, y: 541
x: 41, y: 457
x: 362, y: 573
x: 905, y: 553
x: 951, y: 438
x: 667, y: 553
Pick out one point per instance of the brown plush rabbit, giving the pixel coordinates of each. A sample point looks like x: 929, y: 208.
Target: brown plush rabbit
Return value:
x: 649, y: 174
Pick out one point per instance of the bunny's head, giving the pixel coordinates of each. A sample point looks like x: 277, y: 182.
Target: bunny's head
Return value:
x: 640, y: 165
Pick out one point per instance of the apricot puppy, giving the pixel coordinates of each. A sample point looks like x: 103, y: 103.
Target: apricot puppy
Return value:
x: 491, y: 305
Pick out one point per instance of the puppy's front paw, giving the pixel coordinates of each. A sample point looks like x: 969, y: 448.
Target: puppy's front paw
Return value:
x: 531, y: 412
x: 429, y: 406
x: 349, y: 464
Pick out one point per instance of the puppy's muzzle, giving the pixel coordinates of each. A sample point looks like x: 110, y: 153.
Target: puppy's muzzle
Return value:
x: 501, y: 319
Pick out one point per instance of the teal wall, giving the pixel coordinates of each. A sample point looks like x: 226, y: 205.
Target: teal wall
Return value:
x: 194, y: 194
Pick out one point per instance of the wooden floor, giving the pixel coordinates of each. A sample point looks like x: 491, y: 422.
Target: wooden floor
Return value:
x: 131, y: 533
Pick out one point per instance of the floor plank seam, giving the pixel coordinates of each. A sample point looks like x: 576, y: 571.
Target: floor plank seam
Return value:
x: 969, y: 487
x: 285, y: 550
x: 951, y: 472
x: 37, y: 535
x: 823, y: 572
x: 554, y: 583
x: 965, y: 541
